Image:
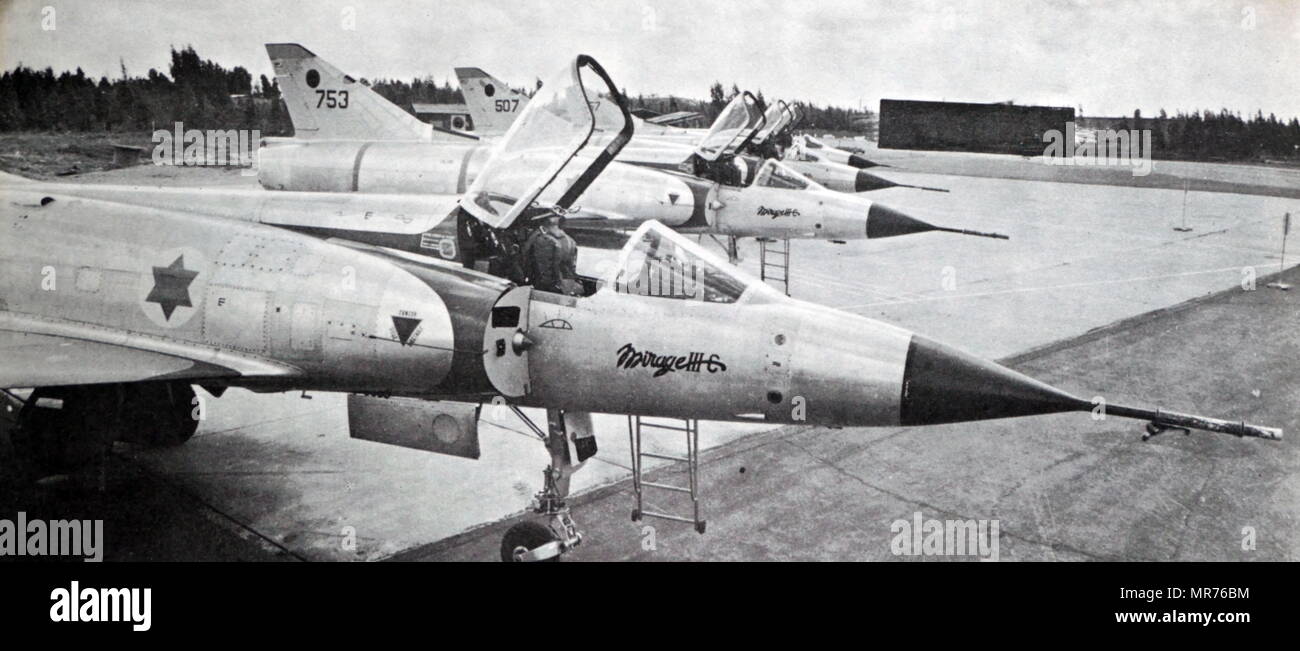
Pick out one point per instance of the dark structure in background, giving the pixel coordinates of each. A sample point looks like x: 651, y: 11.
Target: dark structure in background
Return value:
x: 961, y: 126
x: 447, y: 116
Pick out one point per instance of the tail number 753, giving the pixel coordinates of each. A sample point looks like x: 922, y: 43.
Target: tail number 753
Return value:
x: 332, y: 99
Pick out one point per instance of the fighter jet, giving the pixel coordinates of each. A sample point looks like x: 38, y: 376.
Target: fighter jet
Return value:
x: 724, y: 196
x: 808, y: 148
x: 112, y: 312
x: 493, y: 105
x: 326, y: 104
x: 429, y: 223
x: 776, y: 141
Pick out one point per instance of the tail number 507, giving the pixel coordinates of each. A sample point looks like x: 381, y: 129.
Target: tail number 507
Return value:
x: 332, y: 99
x: 506, y: 105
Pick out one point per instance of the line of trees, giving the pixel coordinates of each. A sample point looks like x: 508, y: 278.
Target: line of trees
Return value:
x: 205, y: 95
x: 1222, y: 135
x: 196, y: 91
x: 425, y: 90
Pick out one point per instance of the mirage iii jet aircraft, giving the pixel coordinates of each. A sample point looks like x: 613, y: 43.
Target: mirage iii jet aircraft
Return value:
x: 327, y: 105
x: 493, y: 104
x: 112, y: 312
x: 402, y: 156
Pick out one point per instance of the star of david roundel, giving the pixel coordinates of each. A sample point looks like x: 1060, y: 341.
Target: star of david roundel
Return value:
x: 170, y: 286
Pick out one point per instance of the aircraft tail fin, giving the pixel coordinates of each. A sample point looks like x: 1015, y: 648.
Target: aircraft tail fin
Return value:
x: 492, y: 103
x: 326, y: 104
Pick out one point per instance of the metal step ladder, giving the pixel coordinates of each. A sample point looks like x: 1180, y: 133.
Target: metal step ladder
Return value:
x: 774, y: 262
x: 636, y: 425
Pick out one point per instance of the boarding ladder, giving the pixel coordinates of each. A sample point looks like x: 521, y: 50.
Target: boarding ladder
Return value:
x: 636, y: 426
x: 774, y: 262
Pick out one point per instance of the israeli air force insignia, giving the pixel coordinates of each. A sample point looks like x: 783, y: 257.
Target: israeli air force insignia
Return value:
x: 170, y: 284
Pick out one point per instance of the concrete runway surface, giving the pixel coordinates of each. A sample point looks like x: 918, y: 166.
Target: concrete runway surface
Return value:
x: 1080, y: 297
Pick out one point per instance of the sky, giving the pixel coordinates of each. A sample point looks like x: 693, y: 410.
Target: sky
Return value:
x: 1107, y: 56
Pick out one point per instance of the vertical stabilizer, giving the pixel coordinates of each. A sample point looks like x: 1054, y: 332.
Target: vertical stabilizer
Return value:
x: 492, y: 103
x: 325, y: 104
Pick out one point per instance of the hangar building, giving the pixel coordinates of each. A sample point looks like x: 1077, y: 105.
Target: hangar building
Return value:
x: 962, y: 126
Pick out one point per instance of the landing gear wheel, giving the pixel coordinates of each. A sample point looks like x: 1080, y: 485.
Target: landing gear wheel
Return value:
x: 55, y: 440
x: 526, y: 537
x: 161, y: 414
x: 182, y: 428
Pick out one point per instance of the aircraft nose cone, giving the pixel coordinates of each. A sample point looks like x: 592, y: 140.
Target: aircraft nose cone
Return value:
x: 944, y: 385
x: 866, y: 182
x: 883, y: 221
x: 860, y: 162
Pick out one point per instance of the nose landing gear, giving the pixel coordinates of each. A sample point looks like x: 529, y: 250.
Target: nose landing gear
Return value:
x: 534, y: 541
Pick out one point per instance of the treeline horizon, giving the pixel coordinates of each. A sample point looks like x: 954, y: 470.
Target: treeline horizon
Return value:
x: 1222, y: 135
x: 198, y: 93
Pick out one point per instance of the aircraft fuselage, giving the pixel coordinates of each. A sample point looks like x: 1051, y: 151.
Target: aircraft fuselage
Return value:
x: 257, y: 306
x: 627, y: 194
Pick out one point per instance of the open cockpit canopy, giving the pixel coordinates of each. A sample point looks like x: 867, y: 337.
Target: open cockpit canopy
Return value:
x: 736, y: 125
x: 569, y: 131
x: 777, y: 118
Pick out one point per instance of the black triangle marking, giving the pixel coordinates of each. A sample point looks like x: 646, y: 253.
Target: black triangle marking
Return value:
x: 405, y: 326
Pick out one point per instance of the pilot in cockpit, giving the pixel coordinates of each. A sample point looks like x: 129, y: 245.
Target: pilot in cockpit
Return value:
x: 551, y: 257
